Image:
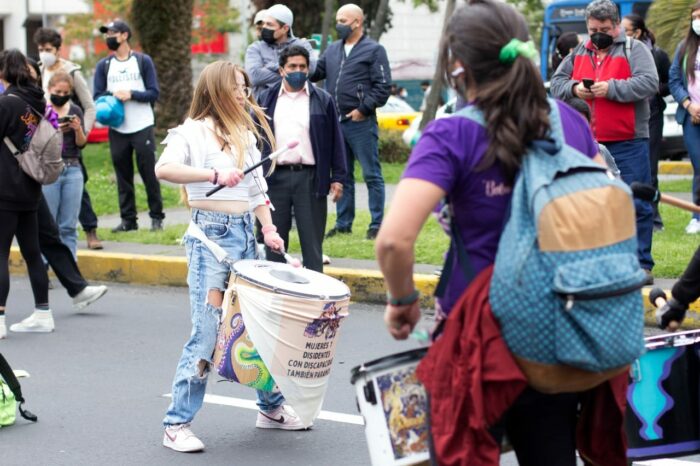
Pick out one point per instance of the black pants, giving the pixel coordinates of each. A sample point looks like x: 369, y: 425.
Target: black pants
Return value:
x: 541, y: 428
x: 296, y: 189
x: 87, y: 216
x: 58, y: 255
x: 122, y: 147
x: 23, y: 224
x: 656, y: 130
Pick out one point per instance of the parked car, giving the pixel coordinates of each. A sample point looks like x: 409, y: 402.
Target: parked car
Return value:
x: 396, y: 114
x: 672, y: 145
x: 411, y: 135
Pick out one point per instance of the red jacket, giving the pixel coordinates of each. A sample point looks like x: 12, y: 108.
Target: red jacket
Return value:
x: 479, y: 380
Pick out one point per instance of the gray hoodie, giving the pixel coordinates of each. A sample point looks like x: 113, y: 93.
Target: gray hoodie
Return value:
x: 262, y: 62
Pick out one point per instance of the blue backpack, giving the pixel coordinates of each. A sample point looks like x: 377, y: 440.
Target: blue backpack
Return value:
x: 566, y: 280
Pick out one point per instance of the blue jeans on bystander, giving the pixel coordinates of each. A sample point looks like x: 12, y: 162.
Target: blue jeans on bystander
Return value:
x: 63, y: 197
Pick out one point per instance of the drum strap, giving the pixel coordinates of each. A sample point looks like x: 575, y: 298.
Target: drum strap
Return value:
x: 194, y: 231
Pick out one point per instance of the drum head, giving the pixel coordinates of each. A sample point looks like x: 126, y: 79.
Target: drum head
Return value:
x: 285, y: 279
x: 387, y: 362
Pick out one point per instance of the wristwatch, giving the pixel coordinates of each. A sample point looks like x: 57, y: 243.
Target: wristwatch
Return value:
x: 404, y: 301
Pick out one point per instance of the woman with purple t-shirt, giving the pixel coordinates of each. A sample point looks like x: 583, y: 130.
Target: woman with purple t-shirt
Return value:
x: 475, y: 167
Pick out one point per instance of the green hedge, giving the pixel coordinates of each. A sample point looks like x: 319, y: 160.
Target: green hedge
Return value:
x: 392, y: 149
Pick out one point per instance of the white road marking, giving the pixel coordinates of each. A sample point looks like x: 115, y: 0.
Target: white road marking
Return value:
x: 250, y: 404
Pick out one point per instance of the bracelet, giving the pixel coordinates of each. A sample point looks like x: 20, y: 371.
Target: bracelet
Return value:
x: 268, y: 229
x: 216, y: 176
x: 405, y: 301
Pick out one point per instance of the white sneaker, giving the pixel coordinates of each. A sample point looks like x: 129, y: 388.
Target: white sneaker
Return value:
x: 180, y: 438
x: 693, y: 227
x: 89, y: 295
x: 283, y: 418
x: 3, y: 328
x: 326, y: 259
x: 38, y: 321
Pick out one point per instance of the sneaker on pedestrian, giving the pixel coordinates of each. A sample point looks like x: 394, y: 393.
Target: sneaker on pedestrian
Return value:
x: 338, y: 231
x: 283, y: 418
x: 3, y: 328
x: 181, y: 438
x: 156, y: 224
x: 125, y: 226
x: 89, y: 295
x: 650, y: 277
x: 372, y: 233
x: 693, y: 227
x: 326, y: 259
x: 93, y: 242
x: 37, y: 322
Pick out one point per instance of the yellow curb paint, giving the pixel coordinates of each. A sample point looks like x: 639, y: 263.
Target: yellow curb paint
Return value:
x: 365, y: 285
x: 675, y: 168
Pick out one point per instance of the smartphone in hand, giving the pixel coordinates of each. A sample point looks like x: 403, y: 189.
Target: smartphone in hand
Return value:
x: 66, y: 119
x: 588, y: 83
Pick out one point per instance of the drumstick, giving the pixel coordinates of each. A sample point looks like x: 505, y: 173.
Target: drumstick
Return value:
x: 271, y: 157
x: 658, y: 299
x: 294, y: 262
x: 648, y: 193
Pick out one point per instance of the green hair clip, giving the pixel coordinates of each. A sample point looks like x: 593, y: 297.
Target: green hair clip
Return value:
x: 516, y: 47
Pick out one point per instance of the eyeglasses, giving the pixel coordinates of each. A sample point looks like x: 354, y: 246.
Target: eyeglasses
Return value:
x: 246, y: 91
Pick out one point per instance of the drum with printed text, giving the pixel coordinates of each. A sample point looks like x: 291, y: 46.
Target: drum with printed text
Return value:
x: 279, y: 330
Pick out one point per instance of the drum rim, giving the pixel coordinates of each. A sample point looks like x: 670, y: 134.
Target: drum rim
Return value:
x: 296, y: 294
x: 382, y: 363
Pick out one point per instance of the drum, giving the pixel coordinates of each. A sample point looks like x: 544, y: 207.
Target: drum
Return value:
x: 663, y: 417
x: 279, y: 329
x: 394, y: 405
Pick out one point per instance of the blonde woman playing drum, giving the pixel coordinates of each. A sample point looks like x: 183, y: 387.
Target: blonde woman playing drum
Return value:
x: 211, y: 148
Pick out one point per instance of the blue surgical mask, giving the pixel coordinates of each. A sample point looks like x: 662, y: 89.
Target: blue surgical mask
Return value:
x: 343, y: 31
x: 296, y: 79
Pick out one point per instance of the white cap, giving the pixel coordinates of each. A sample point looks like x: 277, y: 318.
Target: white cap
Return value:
x: 260, y: 16
x: 282, y: 14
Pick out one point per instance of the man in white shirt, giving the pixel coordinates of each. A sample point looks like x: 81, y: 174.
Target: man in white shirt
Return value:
x: 131, y: 77
x: 307, y: 174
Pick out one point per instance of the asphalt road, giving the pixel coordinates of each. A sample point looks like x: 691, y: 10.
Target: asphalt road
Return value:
x: 98, y: 384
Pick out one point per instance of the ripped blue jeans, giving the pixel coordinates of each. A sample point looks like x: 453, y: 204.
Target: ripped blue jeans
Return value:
x: 234, y: 233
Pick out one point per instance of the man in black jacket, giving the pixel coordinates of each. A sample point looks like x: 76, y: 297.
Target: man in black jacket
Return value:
x: 356, y: 70
x: 305, y: 175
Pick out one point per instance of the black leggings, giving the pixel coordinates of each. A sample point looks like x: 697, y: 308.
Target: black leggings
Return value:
x: 26, y: 226
x: 541, y: 428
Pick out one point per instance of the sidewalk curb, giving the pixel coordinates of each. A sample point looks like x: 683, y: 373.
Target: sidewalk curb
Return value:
x: 365, y: 285
x: 675, y: 168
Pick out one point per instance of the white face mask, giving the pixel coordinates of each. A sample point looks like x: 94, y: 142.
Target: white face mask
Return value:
x: 696, y: 26
x: 47, y: 59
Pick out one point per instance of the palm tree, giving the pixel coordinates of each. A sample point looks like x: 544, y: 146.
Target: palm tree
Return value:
x: 165, y: 30
x: 670, y: 20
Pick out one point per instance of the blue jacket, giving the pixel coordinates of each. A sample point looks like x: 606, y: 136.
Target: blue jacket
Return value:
x: 325, y: 134
x: 148, y: 74
x: 359, y: 81
x: 678, y: 84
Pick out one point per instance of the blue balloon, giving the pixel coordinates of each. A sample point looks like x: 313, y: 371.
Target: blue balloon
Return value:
x: 110, y: 111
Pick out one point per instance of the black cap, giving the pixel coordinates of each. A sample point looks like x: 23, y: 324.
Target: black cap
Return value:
x: 116, y: 26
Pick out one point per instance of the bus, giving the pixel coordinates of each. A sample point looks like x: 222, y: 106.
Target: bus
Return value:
x: 562, y: 16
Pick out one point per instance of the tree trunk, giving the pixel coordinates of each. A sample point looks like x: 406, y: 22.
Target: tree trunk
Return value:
x: 433, y: 101
x: 379, y: 20
x: 327, y: 21
x: 165, y: 30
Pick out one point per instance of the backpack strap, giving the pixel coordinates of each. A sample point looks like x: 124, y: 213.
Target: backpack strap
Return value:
x: 12, y: 382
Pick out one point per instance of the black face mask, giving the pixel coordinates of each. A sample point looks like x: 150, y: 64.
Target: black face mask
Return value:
x: 601, y: 40
x: 343, y: 31
x: 59, y: 100
x: 268, y: 35
x: 112, y: 43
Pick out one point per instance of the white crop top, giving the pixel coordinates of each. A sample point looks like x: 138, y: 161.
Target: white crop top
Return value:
x: 193, y: 143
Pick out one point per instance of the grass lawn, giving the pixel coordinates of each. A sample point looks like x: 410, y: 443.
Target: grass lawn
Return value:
x: 391, y: 172
x: 676, y: 186
x: 673, y: 248
x: 432, y: 242
x: 102, y: 183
